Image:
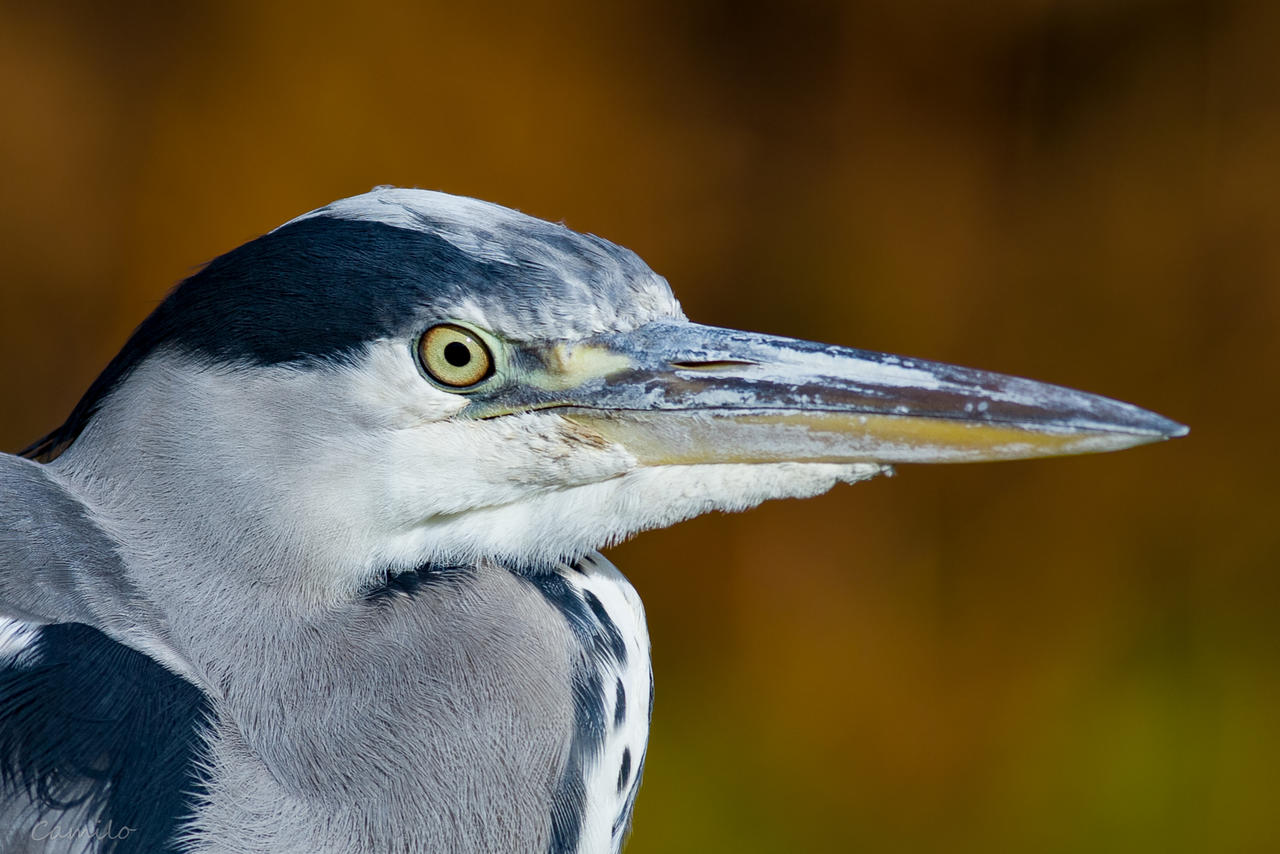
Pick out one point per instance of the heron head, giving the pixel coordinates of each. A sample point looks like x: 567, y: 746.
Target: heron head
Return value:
x: 406, y: 377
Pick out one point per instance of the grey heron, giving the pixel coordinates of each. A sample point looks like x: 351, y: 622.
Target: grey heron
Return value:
x: 312, y: 566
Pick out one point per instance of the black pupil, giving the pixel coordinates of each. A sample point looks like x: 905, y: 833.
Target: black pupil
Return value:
x: 457, y: 354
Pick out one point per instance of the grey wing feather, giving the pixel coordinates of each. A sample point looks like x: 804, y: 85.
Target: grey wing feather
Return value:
x: 58, y: 566
x: 54, y: 557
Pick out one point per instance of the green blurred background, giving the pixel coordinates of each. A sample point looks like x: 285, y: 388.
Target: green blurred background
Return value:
x: 1059, y: 656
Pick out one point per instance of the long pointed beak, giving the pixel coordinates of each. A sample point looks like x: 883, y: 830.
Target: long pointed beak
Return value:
x: 676, y: 393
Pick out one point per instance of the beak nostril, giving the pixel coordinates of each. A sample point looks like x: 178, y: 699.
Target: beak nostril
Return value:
x: 712, y: 365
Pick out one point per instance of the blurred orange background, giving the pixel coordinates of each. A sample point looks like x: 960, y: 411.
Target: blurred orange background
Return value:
x: 1059, y: 656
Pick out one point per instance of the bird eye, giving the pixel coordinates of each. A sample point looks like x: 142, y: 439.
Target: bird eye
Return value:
x: 453, y: 356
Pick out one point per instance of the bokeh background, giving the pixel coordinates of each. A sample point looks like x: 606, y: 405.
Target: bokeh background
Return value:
x: 1060, y: 656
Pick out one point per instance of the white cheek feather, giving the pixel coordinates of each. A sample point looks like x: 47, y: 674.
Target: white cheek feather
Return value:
x: 279, y: 473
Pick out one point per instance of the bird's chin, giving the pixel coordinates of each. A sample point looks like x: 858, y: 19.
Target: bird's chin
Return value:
x: 547, y: 528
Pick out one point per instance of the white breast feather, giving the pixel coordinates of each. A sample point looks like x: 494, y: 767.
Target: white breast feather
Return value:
x: 605, y: 802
